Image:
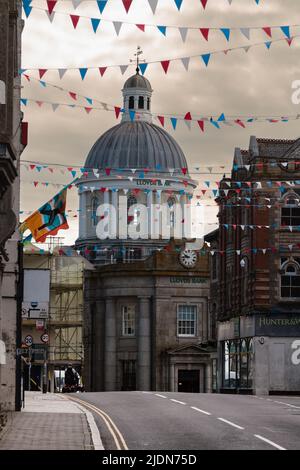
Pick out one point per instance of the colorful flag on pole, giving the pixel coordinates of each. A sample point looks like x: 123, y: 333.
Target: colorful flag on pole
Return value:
x: 49, y: 219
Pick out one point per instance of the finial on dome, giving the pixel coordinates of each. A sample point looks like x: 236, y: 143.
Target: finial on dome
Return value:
x: 137, y: 59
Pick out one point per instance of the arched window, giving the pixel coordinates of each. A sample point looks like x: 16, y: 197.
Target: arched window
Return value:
x: 131, y: 102
x: 290, y: 280
x: 148, y: 104
x: 131, y: 201
x: 94, y: 210
x: 141, y: 102
x: 171, y: 204
x: 290, y: 212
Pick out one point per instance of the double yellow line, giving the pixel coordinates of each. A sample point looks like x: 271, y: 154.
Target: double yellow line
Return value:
x: 111, y: 426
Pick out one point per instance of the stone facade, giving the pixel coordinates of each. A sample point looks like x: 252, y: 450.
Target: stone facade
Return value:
x: 155, y: 289
x: 255, y: 272
x: 11, y: 146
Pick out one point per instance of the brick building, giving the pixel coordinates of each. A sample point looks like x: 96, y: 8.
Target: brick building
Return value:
x: 12, y: 141
x: 255, y: 270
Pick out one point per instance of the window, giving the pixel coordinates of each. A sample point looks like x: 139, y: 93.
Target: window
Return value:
x: 290, y: 281
x: 148, y: 104
x: 131, y: 102
x: 131, y: 201
x: 128, y: 320
x: 238, y: 363
x: 186, y: 320
x: 141, y: 102
x: 290, y: 213
x: 214, y: 266
x: 94, y: 210
x: 171, y: 204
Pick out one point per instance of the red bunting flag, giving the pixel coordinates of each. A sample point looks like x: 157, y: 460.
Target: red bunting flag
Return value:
x: 188, y: 116
x: 161, y: 120
x: 102, y: 70
x: 184, y: 170
x: 205, y: 33
x: 165, y: 65
x: 88, y: 110
x: 289, y: 41
x: 42, y: 72
x: 74, y: 19
x: 117, y: 111
x: 51, y: 4
x: 201, y: 125
x: 73, y: 95
x: 141, y: 27
x: 127, y: 4
x: 240, y: 123
x: 107, y: 171
x: 35, y: 183
x: 268, y: 31
x: 32, y: 167
x: 203, y: 2
x: 39, y: 103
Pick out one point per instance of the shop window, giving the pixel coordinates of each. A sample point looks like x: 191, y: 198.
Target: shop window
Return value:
x: 238, y: 363
x: 186, y: 320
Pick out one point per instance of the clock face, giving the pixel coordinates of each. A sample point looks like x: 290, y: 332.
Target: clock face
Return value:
x: 188, y: 258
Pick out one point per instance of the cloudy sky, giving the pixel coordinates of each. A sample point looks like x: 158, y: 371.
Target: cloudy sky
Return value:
x: 255, y: 83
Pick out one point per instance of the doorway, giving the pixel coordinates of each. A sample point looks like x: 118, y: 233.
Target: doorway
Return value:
x: 189, y: 381
x: 128, y: 375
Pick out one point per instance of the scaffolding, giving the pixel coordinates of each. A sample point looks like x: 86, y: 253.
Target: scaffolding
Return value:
x: 66, y: 301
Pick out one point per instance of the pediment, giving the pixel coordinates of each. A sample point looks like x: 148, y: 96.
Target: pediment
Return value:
x: 189, y: 349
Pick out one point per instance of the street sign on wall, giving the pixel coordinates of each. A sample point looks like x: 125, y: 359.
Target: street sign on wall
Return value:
x: 36, y: 293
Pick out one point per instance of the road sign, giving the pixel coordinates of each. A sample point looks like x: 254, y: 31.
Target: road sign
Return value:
x: 45, y: 338
x: 28, y: 340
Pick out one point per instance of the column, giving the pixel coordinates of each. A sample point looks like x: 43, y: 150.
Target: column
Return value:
x: 110, y: 355
x: 208, y: 378
x: 114, y: 215
x: 106, y: 200
x: 144, y: 345
x: 150, y: 212
x: 182, y: 204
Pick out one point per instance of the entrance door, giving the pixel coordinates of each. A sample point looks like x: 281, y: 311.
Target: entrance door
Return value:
x: 189, y: 381
x: 128, y: 375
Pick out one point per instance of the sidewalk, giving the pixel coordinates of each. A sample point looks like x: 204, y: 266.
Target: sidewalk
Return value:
x: 50, y: 422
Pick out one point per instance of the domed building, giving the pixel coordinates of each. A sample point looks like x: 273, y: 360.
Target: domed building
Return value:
x: 141, y: 162
x: 147, y: 324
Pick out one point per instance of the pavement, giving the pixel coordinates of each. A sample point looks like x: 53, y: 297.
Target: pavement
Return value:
x: 50, y: 422
x: 186, y: 421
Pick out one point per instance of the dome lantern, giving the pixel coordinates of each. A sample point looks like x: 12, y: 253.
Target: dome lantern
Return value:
x: 137, y: 93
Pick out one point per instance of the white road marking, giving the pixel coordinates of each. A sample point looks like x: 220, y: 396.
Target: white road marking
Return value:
x: 230, y: 423
x: 161, y: 396
x: 201, y: 411
x: 287, y: 404
x: 150, y: 393
x: 269, y: 442
x: 177, y: 401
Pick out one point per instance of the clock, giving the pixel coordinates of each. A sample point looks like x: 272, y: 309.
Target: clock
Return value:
x: 188, y: 258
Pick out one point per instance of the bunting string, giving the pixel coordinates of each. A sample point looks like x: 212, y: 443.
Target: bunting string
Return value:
x: 102, y: 4
x: 80, y: 170
x: 165, y: 63
x: 216, y: 122
x: 183, y: 31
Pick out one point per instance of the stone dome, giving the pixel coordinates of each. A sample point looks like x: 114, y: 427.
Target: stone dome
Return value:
x: 138, y: 81
x: 138, y: 145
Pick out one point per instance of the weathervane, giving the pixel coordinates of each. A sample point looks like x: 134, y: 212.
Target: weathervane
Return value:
x: 137, y: 58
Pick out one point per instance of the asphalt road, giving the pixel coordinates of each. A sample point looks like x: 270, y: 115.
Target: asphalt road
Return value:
x: 184, y: 421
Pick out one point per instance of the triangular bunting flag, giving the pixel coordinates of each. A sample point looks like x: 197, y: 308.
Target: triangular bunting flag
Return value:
x: 74, y: 19
x: 205, y: 33
x: 102, y: 70
x: 203, y: 2
x: 183, y: 33
x: 161, y: 120
x: 123, y: 68
x: 206, y: 58
x: 61, y: 73
x: 42, y: 72
x: 201, y: 125
x: 101, y: 5
x: 117, y: 26
x: 162, y: 29
x: 173, y: 122
x: 268, y: 31
x: 127, y: 4
x: 165, y: 65
x: 143, y: 68
x: 178, y: 3
x: 226, y: 32
x: 245, y: 32
x: 117, y: 111
x: 95, y: 23
x: 185, y: 61
x: 141, y: 27
x: 51, y: 4
x: 153, y: 5
x: 83, y: 72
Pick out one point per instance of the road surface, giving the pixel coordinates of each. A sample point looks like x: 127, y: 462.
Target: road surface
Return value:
x: 185, y: 421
